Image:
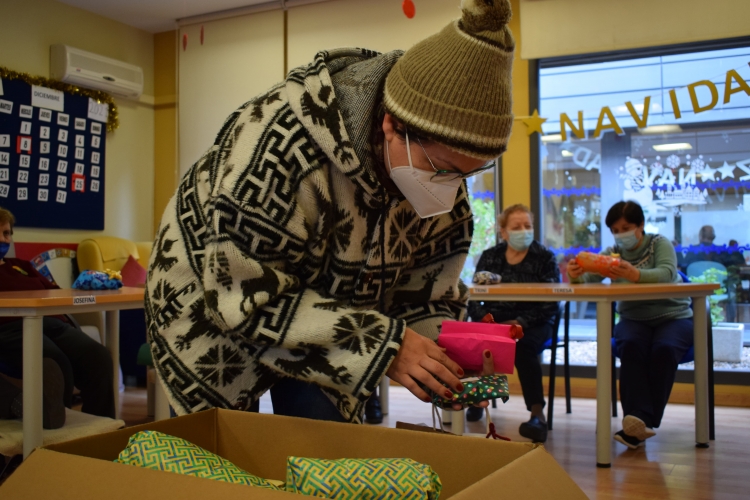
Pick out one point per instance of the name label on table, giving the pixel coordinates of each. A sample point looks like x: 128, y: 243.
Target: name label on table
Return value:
x: 480, y: 289
x: 79, y: 301
x: 562, y: 289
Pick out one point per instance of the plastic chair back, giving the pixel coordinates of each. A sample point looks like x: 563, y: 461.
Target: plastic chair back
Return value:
x: 701, y: 266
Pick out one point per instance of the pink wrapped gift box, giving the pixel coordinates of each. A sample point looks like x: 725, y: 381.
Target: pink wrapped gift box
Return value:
x: 465, y: 344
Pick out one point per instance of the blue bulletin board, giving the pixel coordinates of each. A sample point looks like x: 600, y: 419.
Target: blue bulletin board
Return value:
x: 52, y: 151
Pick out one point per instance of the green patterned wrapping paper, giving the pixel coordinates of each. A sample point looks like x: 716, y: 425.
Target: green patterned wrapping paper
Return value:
x: 362, y: 479
x: 476, y: 390
x: 158, y: 451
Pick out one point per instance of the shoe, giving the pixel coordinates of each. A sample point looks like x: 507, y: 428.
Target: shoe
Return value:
x: 629, y: 441
x: 373, y: 414
x: 534, y: 429
x: 634, y: 426
x: 474, y: 413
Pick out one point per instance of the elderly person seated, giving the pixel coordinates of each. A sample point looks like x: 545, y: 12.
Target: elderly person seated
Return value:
x: 84, y: 363
x: 521, y: 259
x: 652, y: 335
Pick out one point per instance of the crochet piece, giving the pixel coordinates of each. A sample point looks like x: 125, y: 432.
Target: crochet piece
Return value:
x: 362, y: 479
x: 98, y: 280
x: 486, y: 278
x: 158, y: 451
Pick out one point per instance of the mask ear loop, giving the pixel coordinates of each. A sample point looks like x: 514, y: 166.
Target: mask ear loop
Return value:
x: 408, y: 148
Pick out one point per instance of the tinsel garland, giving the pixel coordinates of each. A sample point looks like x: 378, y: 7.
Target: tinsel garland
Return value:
x: 113, y: 120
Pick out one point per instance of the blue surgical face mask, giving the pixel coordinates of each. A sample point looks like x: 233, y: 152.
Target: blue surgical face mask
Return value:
x: 520, y: 240
x: 4, y: 247
x: 626, y: 241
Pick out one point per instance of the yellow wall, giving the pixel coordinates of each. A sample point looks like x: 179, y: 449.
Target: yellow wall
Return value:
x: 27, y: 29
x: 165, y: 121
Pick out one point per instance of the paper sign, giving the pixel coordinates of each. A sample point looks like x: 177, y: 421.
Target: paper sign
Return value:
x: 1, y: 86
x: 24, y: 161
x: 25, y: 111
x: 80, y: 123
x: 62, y: 182
x: 44, y: 179
x: 4, y: 140
x: 80, y: 141
x: 79, y: 183
x: 80, y: 153
x: 44, y: 132
x: 62, y: 166
x: 42, y: 195
x: 62, y: 150
x: 43, y: 164
x: 6, y: 107
x: 25, y: 128
x: 62, y: 135
x: 45, y: 115
x: 95, y: 140
x: 562, y: 289
x: 79, y: 301
x: 63, y: 119
x: 23, y: 194
x: 96, y: 128
x: 479, y: 289
x: 94, y: 186
x: 61, y: 196
x: 44, y: 147
x: 79, y: 168
x: 4, y: 190
x: 23, y: 144
x: 23, y: 177
x: 98, y: 111
x: 4, y: 174
x: 94, y: 157
x: 42, y: 97
x: 95, y: 171
x: 4, y: 158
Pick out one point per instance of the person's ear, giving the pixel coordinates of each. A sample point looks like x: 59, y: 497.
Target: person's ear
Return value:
x: 389, y: 127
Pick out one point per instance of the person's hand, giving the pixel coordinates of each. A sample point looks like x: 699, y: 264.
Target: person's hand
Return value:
x: 574, y: 269
x: 422, y: 360
x: 488, y: 368
x: 625, y: 270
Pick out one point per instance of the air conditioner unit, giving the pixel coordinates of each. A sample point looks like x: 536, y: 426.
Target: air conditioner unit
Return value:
x: 78, y: 67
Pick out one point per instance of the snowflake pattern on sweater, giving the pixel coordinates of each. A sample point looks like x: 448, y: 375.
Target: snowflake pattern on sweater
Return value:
x: 281, y: 255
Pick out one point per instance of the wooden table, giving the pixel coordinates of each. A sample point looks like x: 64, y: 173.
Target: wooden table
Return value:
x: 603, y: 295
x: 32, y: 306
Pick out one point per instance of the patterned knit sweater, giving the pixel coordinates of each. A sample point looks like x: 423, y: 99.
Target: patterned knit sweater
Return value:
x: 282, y: 255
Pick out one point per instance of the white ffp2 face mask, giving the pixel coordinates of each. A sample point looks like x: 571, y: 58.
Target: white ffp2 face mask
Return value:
x: 428, y: 196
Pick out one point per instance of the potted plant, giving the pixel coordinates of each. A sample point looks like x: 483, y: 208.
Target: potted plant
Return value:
x: 728, y: 339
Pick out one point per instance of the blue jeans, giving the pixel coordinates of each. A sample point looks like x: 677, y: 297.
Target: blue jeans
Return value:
x: 649, y: 355
x: 295, y: 398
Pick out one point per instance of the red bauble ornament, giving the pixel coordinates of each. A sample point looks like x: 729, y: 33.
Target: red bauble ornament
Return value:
x: 409, y: 9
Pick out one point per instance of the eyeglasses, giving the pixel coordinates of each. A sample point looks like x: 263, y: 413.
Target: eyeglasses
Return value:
x: 452, y: 175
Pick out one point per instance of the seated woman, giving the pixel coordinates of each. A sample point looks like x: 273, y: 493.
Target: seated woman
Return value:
x: 85, y: 363
x: 520, y: 259
x: 652, y: 336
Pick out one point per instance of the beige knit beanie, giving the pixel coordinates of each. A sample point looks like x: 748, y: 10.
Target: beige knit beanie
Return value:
x: 455, y: 87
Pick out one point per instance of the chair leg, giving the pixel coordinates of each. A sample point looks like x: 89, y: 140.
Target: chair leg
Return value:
x: 711, y: 421
x: 566, y: 352
x: 614, y: 368
x: 494, y: 403
x: 552, y: 374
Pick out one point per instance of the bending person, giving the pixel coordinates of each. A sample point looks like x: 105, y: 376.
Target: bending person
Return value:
x: 651, y: 336
x: 317, y: 246
x: 521, y: 259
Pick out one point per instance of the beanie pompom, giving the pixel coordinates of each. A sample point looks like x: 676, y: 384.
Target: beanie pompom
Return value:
x: 485, y: 15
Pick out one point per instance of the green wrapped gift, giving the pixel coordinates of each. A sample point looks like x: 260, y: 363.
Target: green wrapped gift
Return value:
x: 476, y: 390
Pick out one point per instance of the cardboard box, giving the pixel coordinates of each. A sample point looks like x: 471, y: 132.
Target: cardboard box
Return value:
x: 469, y: 468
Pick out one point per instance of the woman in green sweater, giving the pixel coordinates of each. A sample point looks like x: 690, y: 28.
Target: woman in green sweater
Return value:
x: 651, y: 336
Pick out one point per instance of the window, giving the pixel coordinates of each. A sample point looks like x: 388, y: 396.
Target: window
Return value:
x: 689, y: 168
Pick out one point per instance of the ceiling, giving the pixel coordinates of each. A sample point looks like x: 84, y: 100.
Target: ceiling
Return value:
x: 156, y: 15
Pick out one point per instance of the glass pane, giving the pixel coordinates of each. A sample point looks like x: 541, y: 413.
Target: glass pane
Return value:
x: 693, y: 181
x: 482, y: 197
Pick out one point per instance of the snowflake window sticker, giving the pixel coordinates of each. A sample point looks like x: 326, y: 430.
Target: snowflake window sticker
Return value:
x: 580, y: 212
x: 593, y: 227
x: 673, y: 161
x: 657, y: 169
x: 698, y: 165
